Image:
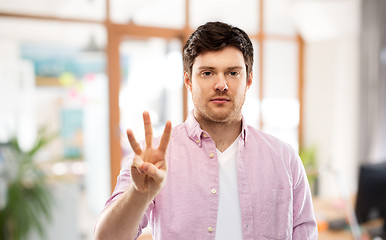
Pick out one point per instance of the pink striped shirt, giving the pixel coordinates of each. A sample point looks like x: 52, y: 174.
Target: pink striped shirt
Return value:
x: 275, y: 199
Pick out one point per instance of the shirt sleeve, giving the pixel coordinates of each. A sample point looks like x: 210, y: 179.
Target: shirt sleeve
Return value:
x: 304, y: 223
x: 123, y: 183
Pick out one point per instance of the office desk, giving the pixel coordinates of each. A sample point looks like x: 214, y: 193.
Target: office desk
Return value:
x: 332, y: 209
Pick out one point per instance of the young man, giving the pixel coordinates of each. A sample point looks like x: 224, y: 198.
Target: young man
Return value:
x: 212, y: 177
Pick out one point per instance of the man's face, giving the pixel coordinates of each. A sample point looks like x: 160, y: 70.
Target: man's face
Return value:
x: 218, y: 84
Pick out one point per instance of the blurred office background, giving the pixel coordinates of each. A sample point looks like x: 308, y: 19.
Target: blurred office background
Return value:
x: 76, y: 74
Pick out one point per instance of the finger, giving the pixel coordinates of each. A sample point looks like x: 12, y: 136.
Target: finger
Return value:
x: 148, y: 129
x: 161, y: 165
x: 165, y: 137
x: 152, y: 171
x: 133, y: 143
x: 138, y: 163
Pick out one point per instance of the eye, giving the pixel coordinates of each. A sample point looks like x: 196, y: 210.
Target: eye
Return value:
x: 234, y: 74
x: 206, y: 74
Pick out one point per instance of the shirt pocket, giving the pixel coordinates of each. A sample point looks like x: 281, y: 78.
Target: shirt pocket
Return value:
x: 277, y: 212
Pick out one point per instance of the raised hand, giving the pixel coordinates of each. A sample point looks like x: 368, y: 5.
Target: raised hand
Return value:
x: 149, y: 167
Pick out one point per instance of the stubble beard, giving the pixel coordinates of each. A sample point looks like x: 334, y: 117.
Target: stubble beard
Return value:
x: 210, y: 116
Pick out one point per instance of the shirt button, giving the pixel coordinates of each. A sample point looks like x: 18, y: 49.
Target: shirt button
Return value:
x: 214, y: 191
x: 198, y: 140
x: 210, y: 229
x: 205, y: 135
x: 211, y: 155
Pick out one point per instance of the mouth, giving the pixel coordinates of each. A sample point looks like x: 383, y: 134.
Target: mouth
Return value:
x: 219, y: 100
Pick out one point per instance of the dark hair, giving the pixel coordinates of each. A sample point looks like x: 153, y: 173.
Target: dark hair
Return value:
x: 215, y: 36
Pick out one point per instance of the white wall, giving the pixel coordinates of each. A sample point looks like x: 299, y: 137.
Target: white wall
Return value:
x: 331, y: 100
x: 331, y: 108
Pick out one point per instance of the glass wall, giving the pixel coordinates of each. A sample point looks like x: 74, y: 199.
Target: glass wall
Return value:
x: 251, y: 109
x: 53, y: 87
x: 280, y: 105
x: 152, y: 81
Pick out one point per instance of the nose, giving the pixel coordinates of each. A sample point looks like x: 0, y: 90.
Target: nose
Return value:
x: 221, y: 84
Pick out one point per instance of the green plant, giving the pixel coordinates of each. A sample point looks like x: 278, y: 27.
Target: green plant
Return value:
x: 29, y: 199
x: 308, y: 156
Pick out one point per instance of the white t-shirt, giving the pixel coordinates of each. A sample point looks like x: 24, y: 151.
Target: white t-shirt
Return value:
x: 229, y: 213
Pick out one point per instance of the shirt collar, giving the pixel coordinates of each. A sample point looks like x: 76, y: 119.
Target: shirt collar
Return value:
x: 196, y: 134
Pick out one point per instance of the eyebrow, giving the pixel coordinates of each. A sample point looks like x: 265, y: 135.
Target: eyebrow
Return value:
x: 211, y: 68
x: 235, y: 68
x: 205, y: 68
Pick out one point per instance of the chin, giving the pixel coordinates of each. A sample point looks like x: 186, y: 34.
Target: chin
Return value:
x: 218, y: 114
x: 221, y: 117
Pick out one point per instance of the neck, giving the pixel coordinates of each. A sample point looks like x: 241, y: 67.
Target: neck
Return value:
x: 222, y: 133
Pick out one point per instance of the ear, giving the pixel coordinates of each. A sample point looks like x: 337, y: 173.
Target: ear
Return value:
x: 187, y: 81
x: 249, y: 81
